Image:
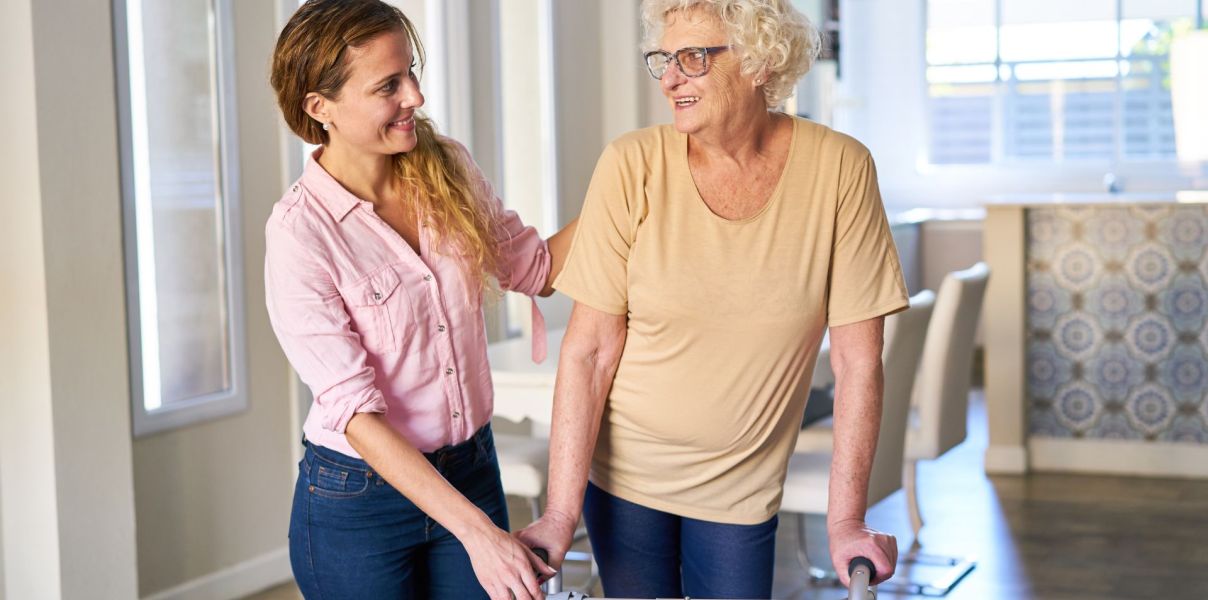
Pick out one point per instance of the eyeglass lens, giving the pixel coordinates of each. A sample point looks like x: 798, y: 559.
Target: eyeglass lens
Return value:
x: 693, y: 62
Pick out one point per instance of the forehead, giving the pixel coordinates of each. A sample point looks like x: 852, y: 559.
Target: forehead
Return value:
x: 692, y: 27
x: 386, y: 53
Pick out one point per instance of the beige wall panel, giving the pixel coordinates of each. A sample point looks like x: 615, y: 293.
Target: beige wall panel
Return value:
x: 23, y: 348
x: 68, y: 510
x: 215, y: 495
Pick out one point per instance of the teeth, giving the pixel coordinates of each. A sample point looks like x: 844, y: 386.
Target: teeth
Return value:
x: 687, y: 100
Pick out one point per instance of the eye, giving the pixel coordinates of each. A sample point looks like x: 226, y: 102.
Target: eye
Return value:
x: 411, y: 71
x: 389, y: 87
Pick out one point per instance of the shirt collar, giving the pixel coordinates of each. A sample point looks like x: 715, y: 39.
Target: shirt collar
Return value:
x: 331, y: 195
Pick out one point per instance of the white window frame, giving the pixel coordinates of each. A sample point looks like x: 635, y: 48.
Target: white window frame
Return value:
x: 999, y: 160
x: 140, y: 290
x: 883, y: 102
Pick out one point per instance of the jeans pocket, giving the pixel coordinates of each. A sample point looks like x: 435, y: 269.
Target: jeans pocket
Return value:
x: 331, y: 480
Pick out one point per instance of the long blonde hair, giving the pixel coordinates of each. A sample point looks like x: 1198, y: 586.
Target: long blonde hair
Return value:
x: 311, y: 56
x: 449, y: 204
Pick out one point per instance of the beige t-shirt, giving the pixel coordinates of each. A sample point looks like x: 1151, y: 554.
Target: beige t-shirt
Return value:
x: 724, y: 317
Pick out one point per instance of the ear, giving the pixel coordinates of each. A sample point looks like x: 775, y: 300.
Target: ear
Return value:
x: 318, y: 107
x: 761, y: 77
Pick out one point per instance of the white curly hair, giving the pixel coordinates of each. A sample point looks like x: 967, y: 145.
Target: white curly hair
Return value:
x: 771, y: 35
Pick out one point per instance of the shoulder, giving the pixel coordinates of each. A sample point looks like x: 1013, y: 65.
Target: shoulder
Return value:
x: 830, y: 143
x: 640, y: 150
x: 296, y: 218
x: 644, y: 141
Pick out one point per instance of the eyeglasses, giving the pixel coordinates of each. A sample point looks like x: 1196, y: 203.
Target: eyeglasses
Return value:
x: 692, y: 61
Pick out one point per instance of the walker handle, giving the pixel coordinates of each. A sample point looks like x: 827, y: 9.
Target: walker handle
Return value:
x: 862, y: 572
x: 553, y: 585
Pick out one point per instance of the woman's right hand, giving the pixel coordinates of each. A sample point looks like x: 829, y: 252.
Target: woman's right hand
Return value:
x: 505, y: 567
x: 554, y: 532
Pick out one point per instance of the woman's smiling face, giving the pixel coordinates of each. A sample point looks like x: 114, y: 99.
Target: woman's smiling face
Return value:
x: 700, y: 103
x: 375, y: 110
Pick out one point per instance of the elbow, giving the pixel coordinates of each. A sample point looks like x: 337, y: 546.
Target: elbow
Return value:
x: 847, y: 369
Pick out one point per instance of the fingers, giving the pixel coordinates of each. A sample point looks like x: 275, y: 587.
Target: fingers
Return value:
x: 887, y: 559
x: 880, y: 548
x: 531, y: 585
x: 540, y: 566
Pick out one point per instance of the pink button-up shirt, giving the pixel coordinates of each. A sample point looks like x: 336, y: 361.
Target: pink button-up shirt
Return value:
x: 371, y: 326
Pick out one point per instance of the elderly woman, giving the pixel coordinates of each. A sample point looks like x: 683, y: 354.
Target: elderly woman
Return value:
x: 711, y: 254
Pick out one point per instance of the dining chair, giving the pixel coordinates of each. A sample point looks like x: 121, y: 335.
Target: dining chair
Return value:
x: 940, y: 408
x: 806, y: 486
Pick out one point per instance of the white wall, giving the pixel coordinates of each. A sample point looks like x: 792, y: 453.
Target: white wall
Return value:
x: 214, y: 498
x: 68, y: 522
x: 882, y: 103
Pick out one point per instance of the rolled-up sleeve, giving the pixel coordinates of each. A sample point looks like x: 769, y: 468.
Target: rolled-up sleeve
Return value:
x: 524, y: 256
x: 314, y: 329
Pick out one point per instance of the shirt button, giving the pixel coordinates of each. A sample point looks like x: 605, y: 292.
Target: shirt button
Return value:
x: 427, y: 278
x: 377, y: 295
x: 295, y: 188
x: 440, y: 328
x: 456, y: 414
x: 449, y: 371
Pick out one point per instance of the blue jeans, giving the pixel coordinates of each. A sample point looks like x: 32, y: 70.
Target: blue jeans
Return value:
x: 352, y: 535
x: 644, y: 553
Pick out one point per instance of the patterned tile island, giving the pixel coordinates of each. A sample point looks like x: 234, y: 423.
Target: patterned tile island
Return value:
x: 1097, y: 334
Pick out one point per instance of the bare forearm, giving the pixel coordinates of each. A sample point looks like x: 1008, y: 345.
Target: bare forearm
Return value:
x: 405, y: 467
x: 579, y: 397
x: 858, y: 393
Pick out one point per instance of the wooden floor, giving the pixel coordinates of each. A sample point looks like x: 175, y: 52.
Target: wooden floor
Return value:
x: 1043, y: 537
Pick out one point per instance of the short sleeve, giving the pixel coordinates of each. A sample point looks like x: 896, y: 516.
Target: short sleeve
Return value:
x: 597, y: 267
x: 866, y: 276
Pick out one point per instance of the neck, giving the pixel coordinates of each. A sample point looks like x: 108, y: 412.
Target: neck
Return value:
x: 742, y: 139
x: 369, y: 177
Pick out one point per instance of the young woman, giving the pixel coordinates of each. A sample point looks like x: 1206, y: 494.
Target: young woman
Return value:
x: 377, y: 261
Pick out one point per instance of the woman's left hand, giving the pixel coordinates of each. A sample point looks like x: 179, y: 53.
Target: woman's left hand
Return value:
x: 852, y: 538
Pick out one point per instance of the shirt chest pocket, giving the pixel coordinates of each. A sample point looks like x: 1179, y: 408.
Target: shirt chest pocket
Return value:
x: 380, y: 310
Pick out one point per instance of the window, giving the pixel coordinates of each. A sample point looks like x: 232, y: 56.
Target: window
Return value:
x: 1052, y: 80
x: 180, y: 182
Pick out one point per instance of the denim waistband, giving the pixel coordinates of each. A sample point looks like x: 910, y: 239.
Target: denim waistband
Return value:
x: 478, y: 444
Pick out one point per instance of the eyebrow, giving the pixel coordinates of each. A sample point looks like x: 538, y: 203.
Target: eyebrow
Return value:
x: 386, y: 78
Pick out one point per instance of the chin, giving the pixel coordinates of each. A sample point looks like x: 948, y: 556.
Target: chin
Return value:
x: 686, y: 125
x: 401, y: 146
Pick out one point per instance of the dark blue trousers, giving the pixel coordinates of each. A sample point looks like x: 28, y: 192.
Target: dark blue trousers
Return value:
x: 645, y: 553
x: 353, y: 536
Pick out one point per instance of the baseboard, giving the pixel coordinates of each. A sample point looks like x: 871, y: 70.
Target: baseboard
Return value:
x: 1119, y: 457
x: 1006, y: 460
x: 246, y: 578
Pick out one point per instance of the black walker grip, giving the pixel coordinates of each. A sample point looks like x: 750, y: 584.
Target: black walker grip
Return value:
x: 542, y: 553
x: 862, y: 561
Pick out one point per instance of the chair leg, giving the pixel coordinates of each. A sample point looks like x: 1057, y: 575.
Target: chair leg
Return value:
x: 955, y: 568
x: 534, y: 507
x: 910, y: 481
x: 816, y: 574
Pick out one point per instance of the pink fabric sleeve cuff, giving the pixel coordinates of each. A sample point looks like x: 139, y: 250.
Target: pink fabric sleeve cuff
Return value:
x: 336, y: 418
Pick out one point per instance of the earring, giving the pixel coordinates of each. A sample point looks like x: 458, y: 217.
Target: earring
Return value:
x: 758, y: 82
x: 326, y: 126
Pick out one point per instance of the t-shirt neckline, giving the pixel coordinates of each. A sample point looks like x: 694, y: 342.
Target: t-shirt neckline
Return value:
x: 773, y: 198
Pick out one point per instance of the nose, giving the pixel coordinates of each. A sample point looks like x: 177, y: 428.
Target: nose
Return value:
x: 411, y: 96
x: 672, y: 78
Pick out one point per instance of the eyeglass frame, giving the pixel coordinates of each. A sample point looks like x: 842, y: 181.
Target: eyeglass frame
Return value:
x: 674, y: 57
